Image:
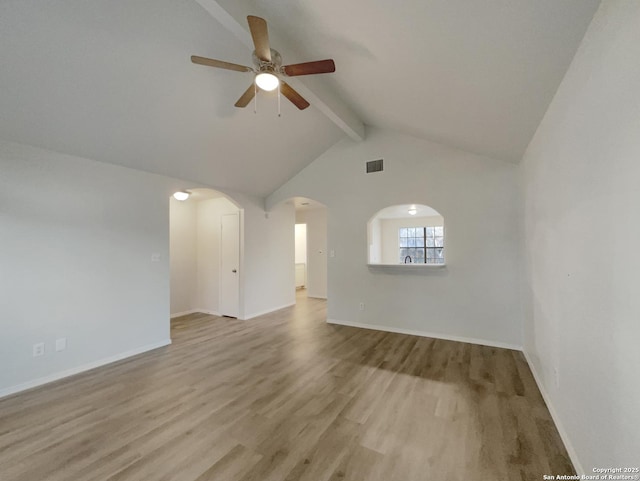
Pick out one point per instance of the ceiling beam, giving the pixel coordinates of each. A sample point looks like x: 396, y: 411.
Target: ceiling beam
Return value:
x: 315, y: 91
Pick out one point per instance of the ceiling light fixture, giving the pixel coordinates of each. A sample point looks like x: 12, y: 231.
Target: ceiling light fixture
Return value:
x: 267, y: 81
x: 412, y: 210
x: 181, y: 195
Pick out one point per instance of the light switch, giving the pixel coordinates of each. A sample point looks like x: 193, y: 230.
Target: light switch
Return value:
x: 61, y: 344
x: 332, y: 253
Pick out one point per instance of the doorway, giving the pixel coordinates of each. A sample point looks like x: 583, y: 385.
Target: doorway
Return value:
x: 301, y: 256
x: 311, y: 248
x: 205, y: 233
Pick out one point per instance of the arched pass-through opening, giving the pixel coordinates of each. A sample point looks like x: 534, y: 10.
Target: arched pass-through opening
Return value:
x: 310, y: 248
x: 205, y: 254
x: 409, y: 235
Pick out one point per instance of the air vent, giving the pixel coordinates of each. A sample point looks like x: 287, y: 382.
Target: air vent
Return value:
x: 374, y: 166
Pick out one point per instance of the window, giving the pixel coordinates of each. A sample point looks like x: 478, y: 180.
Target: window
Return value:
x: 422, y: 244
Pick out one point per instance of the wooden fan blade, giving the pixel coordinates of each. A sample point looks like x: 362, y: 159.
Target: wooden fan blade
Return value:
x: 295, y: 97
x: 260, y: 35
x: 219, y: 64
x: 309, y: 68
x: 246, y: 97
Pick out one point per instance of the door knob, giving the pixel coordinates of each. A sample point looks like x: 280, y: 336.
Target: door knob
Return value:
x: 234, y: 271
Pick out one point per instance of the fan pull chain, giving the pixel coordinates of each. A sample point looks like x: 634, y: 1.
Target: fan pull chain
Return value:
x: 279, y: 115
x: 255, y: 98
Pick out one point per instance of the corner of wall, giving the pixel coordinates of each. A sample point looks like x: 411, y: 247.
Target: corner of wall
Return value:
x: 564, y: 435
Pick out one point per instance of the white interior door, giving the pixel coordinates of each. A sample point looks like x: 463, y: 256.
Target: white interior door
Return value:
x: 229, y: 265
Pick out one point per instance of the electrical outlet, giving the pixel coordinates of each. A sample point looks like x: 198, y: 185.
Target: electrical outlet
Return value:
x: 38, y: 349
x: 362, y: 306
x: 155, y: 257
x: 61, y: 344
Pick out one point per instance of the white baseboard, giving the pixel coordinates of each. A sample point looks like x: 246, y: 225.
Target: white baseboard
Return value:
x: 183, y: 313
x: 268, y: 311
x: 411, y: 332
x: 556, y: 418
x: 77, y: 370
x: 194, y: 311
x: 316, y: 297
x: 207, y: 311
x: 554, y: 414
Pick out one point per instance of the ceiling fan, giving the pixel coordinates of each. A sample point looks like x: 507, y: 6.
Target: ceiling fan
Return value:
x: 268, y: 67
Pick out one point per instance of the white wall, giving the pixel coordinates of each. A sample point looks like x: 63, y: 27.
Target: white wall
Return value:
x: 77, y: 238
x: 316, y: 221
x: 374, y: 236
x: 476, y: 296
x: 580, y: 175
x: 268, y: 272
x: 389, y: 228
x: 184, y: 255
x: 195, y: 254
x: 301, y: 243
x: 266, y: 246
x: 209, y: 219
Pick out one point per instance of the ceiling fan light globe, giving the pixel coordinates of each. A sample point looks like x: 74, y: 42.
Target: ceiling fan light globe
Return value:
x: 267, y: 81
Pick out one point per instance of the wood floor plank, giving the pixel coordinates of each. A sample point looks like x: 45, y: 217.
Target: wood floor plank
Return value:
x: 287, y: 396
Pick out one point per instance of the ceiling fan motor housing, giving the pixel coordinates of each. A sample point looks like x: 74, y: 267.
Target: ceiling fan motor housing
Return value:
x: 275, y: 66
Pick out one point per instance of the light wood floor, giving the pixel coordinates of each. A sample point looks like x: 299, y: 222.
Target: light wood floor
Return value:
x: 287, y: 397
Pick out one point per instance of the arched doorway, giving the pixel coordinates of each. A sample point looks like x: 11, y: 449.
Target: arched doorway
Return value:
x: 205, y: 254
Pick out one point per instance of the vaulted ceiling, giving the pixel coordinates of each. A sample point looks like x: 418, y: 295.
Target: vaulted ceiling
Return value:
x: 111, y: 80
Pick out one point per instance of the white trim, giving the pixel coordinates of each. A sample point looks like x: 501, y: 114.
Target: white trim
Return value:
x: 183, y: 313
x: 316, y: 297
x: 207, y: 311
x: 268, y: 311
x: 411, y: 332
x: 573, y: 455
x: 85, y: 367
x: 195, y: 311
